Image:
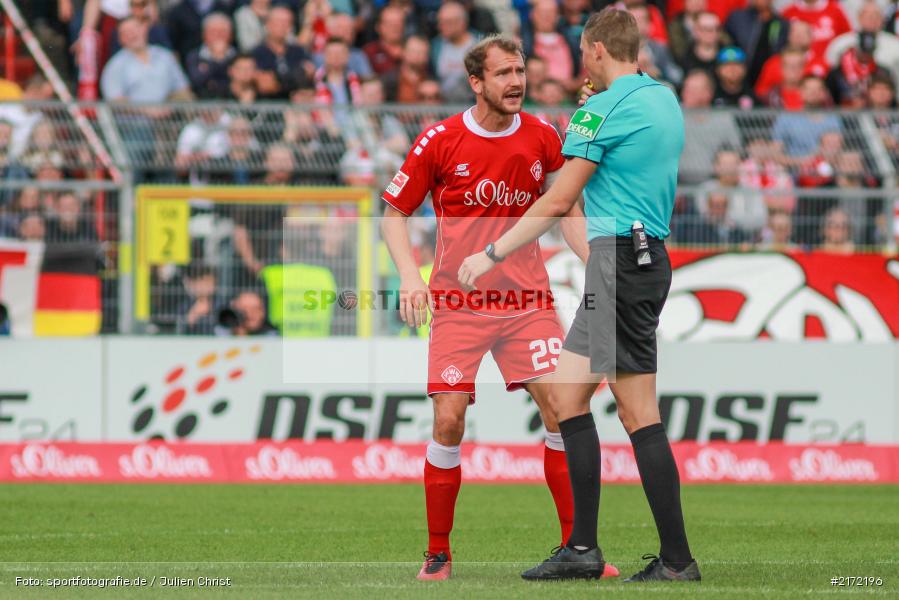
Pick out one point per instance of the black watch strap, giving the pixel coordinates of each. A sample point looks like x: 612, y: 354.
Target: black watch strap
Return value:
x: 490, y: 251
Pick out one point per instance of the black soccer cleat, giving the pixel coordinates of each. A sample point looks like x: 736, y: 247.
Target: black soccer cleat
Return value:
x: 568, y: 563
x: 437, y: 567
x: 657, y: 570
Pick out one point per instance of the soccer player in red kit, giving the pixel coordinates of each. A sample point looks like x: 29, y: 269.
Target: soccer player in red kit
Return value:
x: 483, y: 168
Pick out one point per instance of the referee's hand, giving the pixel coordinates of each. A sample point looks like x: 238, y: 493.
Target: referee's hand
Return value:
x: 586, y: 91
x: 473, y: 267
x: 415, y: 301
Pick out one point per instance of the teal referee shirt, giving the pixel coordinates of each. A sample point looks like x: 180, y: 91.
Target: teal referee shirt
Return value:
x: 634, y: 132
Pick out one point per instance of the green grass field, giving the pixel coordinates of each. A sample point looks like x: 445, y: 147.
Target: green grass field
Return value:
x: 366, y: 541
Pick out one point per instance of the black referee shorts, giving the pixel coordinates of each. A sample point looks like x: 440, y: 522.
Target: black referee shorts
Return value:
x: 616, y: 323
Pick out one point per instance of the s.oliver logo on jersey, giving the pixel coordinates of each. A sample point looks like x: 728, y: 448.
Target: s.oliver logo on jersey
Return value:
x: 397, y: 184
x: 488, y: 192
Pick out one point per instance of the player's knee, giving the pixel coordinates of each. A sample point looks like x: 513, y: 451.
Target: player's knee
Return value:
x: 449, y: 428
x: 633, y: 418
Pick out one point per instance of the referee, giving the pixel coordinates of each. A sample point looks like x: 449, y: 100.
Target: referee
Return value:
x: 623, y: 148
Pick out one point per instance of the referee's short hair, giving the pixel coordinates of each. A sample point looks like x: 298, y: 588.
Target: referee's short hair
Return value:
x: 477, y: 54
x: 617, y: 30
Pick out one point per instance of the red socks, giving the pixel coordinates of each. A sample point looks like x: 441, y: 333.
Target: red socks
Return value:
x: 555, y: 469
x: 441, y: 489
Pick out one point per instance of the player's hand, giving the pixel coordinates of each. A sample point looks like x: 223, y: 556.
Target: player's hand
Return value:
x: 588, y: 90
x: 415, y: 301
x: 473, y: 267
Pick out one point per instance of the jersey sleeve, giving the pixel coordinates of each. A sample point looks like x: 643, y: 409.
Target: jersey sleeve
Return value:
x: 553, y: 158
x: 590, y: 133
x: 411, y: 184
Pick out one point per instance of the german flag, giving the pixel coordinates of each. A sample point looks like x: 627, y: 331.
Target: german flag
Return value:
x: 68, y: 291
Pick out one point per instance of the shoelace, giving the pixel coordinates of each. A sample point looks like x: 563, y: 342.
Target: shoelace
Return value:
x: 433, y: 562
x: 554, y: 553
x: 653, y: 559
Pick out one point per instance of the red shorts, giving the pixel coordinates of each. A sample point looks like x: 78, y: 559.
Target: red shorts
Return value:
x: 524, y: 347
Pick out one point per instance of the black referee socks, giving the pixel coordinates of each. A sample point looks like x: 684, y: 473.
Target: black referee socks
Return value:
x: 661, y: 483
x: 582, y: 452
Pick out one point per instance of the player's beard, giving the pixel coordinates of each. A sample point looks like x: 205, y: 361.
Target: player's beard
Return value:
x: 496, y: 103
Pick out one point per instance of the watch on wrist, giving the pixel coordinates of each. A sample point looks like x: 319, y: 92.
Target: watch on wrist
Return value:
x: 490, y: 251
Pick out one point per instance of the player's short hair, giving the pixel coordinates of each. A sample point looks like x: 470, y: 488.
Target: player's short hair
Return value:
x: 617, y: 30
x: 477, y: 54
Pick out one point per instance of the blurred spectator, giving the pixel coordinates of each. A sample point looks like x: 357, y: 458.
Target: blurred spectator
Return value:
x: 43, y: 147
x: 207, y: 66
x: 836, y: 233
x: 658, y: 29
x: 851, y: 172
x: 340, y: 26
x: 314, y: 32
x: 315, y: 137
x: 543, y: 38
x: 185, y: 22
x: 660, y: 65
x: 384, y: 133
x: 335, y: 82
x: 799, y: 39
x: 386, y: 51
x: 23, y: 116
x: 402, y: 85
x: 242, y: 80
x: 28, y: 201
x: 6, y: 159
x: 733, y: 90
x: 855, y: 55
x: 278, y: 60
x: 799, y: 133
x: 682, y: 27
x: 777, y: 236
x: 713, y: 227
x: 238, y: 165
x: 448, y: 52
x: 102, y: 17
x: 826, y: 18
x: 429, y: 92
x: 707, y: 131
x: 70, y: 223
x: 574, y: 16
x: 745, y: 207
x: 203, y: 139
x: 535, y: 72
x: 247, y: 316
x: 249, y: 22
x: 32, y: 227
x: 881, y: 94
x: 819, y: 170
x: 760, y: 32
x: 147, y: 12
x: 786, y: 94
x: 763, y: 170
x: 197, y: 314
x: 703, y: 53
x: 142, y: 73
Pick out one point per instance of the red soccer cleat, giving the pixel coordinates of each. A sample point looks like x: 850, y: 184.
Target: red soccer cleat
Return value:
x: 610, y: 570
x: 437, y: 567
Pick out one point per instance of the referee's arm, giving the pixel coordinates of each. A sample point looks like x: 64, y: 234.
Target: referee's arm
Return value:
x: 542, y: 215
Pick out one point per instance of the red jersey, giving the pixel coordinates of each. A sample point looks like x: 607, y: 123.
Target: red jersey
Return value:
x: 826, y: 18
x: 481, y: 182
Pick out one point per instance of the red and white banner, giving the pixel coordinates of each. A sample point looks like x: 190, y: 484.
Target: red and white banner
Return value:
x: 359, y: 462
x: 745, y: 296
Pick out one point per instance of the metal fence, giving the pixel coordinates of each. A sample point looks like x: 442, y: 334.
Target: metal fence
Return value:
x: 748, y: 179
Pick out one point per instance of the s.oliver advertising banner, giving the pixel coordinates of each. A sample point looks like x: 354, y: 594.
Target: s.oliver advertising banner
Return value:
x: 747, y: 296
x: 358, y: 462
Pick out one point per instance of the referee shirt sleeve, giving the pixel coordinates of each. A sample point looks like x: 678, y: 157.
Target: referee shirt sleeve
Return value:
x: 590, y: 134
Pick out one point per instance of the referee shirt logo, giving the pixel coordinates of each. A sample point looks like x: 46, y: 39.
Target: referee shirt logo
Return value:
x: 585, y: 123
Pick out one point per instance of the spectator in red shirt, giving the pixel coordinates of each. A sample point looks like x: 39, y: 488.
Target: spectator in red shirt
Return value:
x: 826, y: 18
x: 386, y: 52
x: 799, y: 39
x: 820, y: 169
x: 402, y: 84
x: 882, y: 45
x: 848, y: 80
x: 787, y: 94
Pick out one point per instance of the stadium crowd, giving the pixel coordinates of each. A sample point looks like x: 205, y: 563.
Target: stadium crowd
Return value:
x: 299, y: 88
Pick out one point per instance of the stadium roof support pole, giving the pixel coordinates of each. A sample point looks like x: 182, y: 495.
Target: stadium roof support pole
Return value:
x: 87, y: 130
